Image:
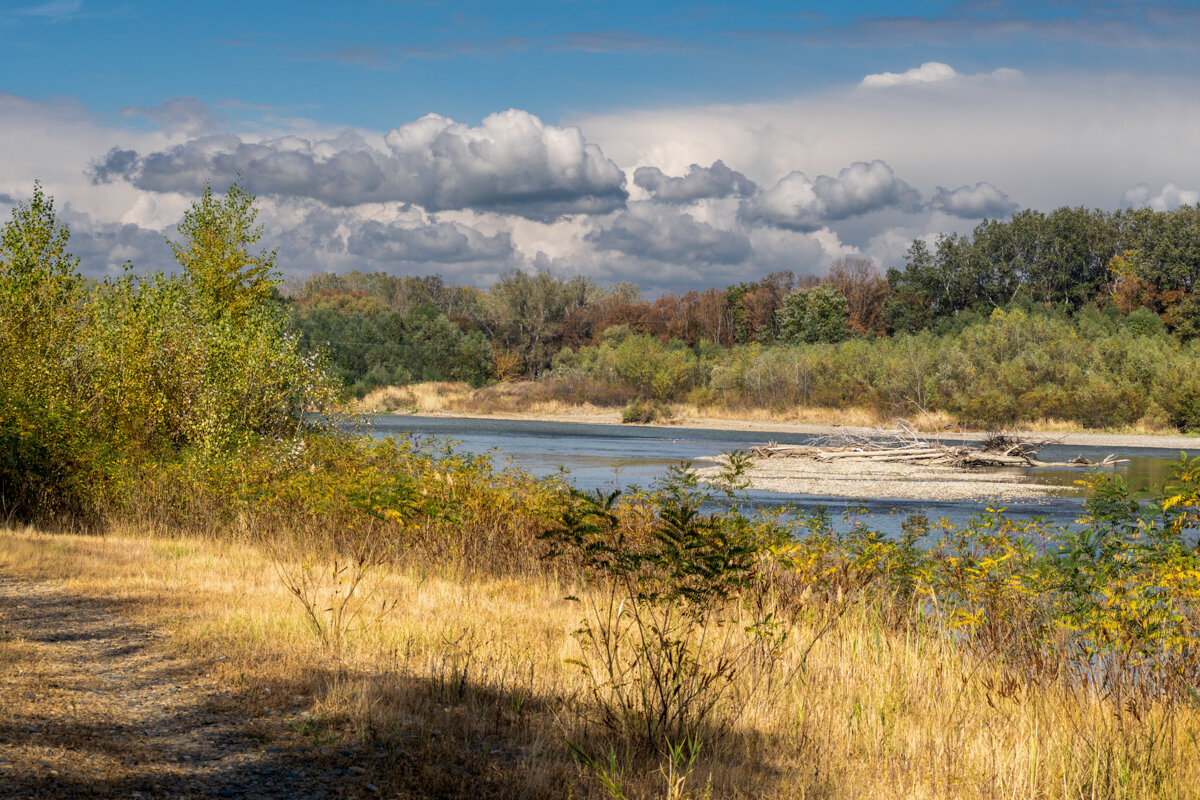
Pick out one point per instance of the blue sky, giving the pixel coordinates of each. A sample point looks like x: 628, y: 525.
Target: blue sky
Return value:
x: 841, y: 130
x: 372, y: 63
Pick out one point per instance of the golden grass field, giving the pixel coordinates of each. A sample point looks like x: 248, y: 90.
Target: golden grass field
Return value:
x: 465, y: 681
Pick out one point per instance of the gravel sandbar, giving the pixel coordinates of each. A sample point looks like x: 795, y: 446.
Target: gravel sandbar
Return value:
x: 896, y: 480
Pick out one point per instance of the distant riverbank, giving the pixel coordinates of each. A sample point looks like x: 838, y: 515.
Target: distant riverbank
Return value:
x: 594, y: 416
x: 454, y: 400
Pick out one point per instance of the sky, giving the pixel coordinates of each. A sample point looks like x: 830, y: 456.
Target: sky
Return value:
x: 677, y: 145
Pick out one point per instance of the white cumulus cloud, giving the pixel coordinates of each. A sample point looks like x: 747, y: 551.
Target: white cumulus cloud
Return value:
x: 1167, y: 198
x: 973, y: 202
x: 932, y: 72
x: 700, y: 183
x: 929, y: 72
x: 512, y: 160
x: 802, y: 204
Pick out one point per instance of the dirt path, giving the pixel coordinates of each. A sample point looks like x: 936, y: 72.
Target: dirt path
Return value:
x: 94, y: 705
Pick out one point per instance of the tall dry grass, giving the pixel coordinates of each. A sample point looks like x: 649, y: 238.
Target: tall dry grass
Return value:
x: 467, y: 682
x: 532, y: 398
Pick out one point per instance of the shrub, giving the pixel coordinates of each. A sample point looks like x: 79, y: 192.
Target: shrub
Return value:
x: 644, y: 412
x: 1185, y: 317
x: 663, y: 641
x: 141, y: 368
x: 1144, y: 322
x: 1182, y: 405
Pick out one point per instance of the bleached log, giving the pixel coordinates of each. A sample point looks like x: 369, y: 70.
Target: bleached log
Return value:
x: 826, y: 456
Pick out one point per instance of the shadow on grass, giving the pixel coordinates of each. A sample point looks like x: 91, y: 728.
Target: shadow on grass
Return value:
x: 125, y: 720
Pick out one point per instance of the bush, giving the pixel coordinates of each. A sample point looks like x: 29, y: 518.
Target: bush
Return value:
x: 1185, y: 318
x: 1144, y: 322
x: 663, y: 641
x: 1183, y: 405
x: 644, y: 412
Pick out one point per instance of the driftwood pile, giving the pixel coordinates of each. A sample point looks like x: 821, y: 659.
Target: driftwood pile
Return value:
x: 997, y: 450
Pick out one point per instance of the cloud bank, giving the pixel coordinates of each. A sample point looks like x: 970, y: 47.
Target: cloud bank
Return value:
x: 667, y: 235
x: 512, y: 162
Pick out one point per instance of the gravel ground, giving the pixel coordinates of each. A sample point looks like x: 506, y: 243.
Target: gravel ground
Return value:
x: 896, y: 480
x: 95, y: 706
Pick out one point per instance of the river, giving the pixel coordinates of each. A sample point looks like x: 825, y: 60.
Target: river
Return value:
x: 609, y: 456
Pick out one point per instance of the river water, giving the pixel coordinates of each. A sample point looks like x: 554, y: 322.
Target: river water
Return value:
x: 610, y: 456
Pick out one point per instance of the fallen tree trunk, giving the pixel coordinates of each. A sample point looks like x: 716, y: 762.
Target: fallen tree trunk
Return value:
x: 912, y: 451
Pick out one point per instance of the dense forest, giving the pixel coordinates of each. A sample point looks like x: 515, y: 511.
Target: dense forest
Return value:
x: 1087, y: 316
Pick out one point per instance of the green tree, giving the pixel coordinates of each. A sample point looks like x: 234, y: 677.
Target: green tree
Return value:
x: 437, y: 349
x: 40, y: 365
x: 809, y: 316
x: 526, y: 312
x: 33, y: 245
x: 217, y: 236
x: 1185, y: 318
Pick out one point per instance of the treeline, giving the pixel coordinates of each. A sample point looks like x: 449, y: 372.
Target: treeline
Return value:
x: 379, y: 329
x: 1070, y: 259
x: 1100, y: 316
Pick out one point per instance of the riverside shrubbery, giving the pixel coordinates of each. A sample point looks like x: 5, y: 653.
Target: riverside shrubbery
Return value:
x: 97, y: 380
x: 1098, y: 370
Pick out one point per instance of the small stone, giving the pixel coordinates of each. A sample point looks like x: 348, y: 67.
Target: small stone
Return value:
x: 357, y: 770
x: 370, y: 787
